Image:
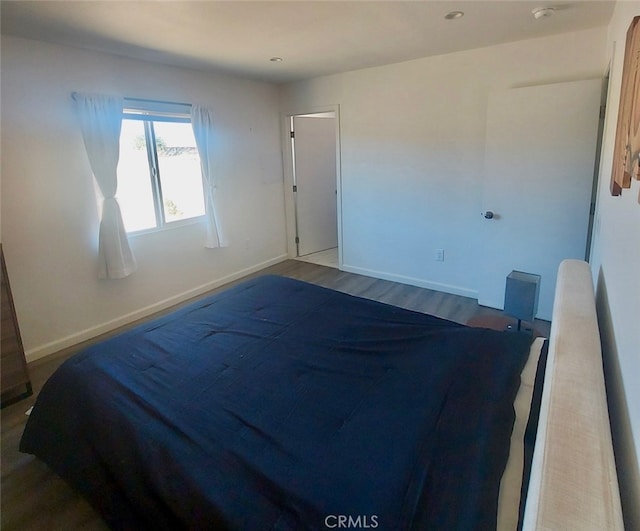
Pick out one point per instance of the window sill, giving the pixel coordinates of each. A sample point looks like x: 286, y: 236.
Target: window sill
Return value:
x: 168, y: 227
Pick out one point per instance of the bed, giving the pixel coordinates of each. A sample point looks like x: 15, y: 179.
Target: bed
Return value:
x: 279, y: 404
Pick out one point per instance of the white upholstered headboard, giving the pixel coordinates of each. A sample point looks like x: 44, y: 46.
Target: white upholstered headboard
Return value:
x: 573, y: 482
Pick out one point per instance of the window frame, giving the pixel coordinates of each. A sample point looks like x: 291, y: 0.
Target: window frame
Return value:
x: 148, y: 112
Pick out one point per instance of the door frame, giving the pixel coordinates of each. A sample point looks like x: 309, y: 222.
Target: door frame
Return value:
x: 595, y: 187
x: 287, y: 159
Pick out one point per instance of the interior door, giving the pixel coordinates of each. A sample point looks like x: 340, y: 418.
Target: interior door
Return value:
x: 315, y: 180
x: 539, y: 164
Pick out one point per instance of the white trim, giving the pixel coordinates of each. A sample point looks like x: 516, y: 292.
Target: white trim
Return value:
x: 436, y: 286
x: 602, y: 171
x: 52, y: 347
x: 289, y: 212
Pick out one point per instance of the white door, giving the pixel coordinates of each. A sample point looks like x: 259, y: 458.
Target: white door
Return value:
x: 315, y: 181
x: 539, y: 166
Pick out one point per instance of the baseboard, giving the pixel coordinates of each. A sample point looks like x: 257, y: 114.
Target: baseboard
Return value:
x: 436, y: 286
x: 52, y: 347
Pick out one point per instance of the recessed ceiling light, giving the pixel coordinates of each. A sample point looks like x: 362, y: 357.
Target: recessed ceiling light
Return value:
x: 454, y: 15
x: 543, y: 12
x: 276, y: 59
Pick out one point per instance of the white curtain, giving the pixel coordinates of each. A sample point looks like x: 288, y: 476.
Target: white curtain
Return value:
x: 101, y: 121
x: 202, y: 123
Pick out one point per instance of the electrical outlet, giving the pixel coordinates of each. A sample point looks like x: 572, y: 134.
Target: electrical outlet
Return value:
x: 439, y: 255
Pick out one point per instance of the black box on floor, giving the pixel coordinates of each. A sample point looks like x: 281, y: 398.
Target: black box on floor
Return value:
x: 521, y: 295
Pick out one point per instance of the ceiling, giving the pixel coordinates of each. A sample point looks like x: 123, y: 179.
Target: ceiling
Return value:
x: 313, y: 38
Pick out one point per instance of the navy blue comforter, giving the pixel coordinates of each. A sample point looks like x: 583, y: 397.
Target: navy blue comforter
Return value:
x: 279, y: 404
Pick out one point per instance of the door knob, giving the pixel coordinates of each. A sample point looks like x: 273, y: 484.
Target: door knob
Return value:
x: 488, y: 214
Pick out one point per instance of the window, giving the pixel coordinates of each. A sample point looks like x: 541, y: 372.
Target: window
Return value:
x: 159, y: 175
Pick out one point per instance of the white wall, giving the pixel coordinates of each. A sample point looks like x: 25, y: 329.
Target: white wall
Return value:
x: 412, y: 144
x: 49, y: 210
x: 615, y: 263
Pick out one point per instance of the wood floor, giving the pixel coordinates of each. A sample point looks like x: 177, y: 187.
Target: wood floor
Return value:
x: 34, y: 498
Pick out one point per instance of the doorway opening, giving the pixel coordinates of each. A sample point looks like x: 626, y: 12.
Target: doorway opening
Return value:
x: 314, y: 191
x: 596, y: 168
